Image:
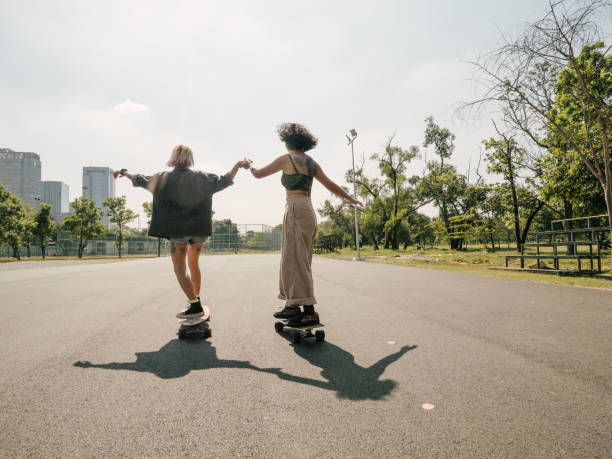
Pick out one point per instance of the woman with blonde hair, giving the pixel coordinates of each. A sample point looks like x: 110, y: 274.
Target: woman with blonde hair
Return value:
x: 182, y: 213
x: 299, y: 222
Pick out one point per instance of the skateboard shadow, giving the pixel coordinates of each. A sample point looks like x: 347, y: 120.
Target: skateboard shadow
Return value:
x: 175, y: 359
x: 343, y: 375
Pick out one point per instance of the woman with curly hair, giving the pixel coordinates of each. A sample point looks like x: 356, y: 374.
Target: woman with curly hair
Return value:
x: 299, y: 222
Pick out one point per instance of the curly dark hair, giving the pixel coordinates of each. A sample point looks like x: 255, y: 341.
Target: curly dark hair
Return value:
x: 297, y: 137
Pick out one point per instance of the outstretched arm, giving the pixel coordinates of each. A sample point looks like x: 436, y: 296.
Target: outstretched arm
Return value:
x: 270, y: 169
x: 245, y: 164
x: 143, y: 181
x: 334, y: 187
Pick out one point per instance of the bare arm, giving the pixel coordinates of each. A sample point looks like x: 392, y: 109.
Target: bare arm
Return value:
x: 244, y: 164
x: 143, y: 181
x: 334, y: 187
x: 270, y: 169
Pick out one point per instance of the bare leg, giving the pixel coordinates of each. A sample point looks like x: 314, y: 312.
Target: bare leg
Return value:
x: 193, y: 260
x: 178, y: 252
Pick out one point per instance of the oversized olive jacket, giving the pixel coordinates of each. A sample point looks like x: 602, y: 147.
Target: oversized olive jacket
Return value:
x: 182, y: 201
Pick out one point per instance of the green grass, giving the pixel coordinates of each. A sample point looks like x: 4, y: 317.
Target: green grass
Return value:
x: 476, y: 261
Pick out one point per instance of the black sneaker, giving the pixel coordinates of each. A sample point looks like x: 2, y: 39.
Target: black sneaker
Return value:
x: 192, y: 311
x: 289, y: 312
x: 304, y: 320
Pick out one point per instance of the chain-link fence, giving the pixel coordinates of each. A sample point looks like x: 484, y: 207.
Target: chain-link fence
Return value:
x: 226, y: 237
x: 96, y: 247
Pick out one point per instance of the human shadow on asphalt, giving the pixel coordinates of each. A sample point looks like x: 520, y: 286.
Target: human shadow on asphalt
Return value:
x: 343, y: 375
x: 176, y: 359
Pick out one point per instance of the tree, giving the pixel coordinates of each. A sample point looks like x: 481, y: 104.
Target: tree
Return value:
x: 27, y: 236
x: 84, y: 223
x: 505, y: 157
x: 563, y: 44
x: 12, y: 221
x: 441, y: 182
x: 120, y: 215
x: 148, y: 210
x: 44, y: 227
x: 392, y: 165
x: 443, y: 141
x: 342, y: 223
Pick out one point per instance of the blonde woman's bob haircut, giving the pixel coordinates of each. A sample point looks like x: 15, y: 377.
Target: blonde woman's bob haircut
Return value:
x: 181, y: 156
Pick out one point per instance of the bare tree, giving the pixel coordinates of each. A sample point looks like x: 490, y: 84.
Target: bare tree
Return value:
x: 555, y: 77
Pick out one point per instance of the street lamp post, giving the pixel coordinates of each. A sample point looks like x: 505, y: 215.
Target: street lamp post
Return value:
x: 351, y: 140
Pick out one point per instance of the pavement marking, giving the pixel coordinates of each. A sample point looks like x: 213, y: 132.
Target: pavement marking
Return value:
x: 390, y: 342
x: 428, y: 406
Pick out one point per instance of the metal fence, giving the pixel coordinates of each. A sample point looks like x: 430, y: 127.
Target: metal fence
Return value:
x: 95, y: 247
x: 231, y: 237
x: 226, y: 237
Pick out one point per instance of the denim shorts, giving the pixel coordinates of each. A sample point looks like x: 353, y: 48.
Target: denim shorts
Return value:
x: 191, y: 240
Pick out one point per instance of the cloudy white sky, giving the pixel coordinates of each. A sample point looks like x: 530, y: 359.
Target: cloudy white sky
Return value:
x: 119, y: 83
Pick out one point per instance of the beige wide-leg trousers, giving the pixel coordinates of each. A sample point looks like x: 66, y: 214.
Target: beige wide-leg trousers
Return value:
x: 299, y: 229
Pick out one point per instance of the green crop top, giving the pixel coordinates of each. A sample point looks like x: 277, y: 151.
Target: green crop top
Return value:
x: 297, y: 181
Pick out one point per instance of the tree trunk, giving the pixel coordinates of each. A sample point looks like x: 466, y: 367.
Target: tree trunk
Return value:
x: 159, y: 241
x: 394, y: 241
x: 80, y: 253
x: 16, y: 252
x: 374, y: 241
x: 492, y: 242
x: 532, y: 215
x: 28, y: 250
x: 455, y: 244
x: 42, y: 251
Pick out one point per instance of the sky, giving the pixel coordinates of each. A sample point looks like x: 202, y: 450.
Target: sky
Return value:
x: 120, y: 83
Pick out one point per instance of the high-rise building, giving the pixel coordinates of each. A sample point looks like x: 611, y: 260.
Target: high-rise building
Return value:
x: 98, y: 184
x: 20, y: 175
x: 56, y: 195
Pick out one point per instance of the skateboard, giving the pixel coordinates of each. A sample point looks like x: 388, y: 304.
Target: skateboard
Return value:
x: 299, y: 333
x: 197, y: 327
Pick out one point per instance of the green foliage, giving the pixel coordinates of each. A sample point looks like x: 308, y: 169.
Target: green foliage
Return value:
x: 44, y: 227
x: 12, y: 221
x: 120, y: 215
x: 84, y: 223
x: 147, y: 207
x: 340, y: 223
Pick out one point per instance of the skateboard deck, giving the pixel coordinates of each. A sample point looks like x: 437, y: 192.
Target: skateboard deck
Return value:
x: 197, y: 327
x: 300, y: 333
x: 196, y: 320
x: 306, y: 327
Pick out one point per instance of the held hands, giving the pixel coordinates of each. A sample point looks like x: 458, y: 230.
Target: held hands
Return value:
x: 245, y: 163
x: 120, y: 173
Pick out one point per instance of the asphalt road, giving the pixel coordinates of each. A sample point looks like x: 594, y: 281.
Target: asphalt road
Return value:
x: 91, y: 366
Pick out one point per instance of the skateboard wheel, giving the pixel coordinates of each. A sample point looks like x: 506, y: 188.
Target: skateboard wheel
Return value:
x: 320, y: 335
x: 278, y: 326
x: 297, y: 338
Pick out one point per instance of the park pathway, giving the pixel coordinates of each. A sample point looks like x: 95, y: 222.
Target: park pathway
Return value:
x: 417, y: 363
